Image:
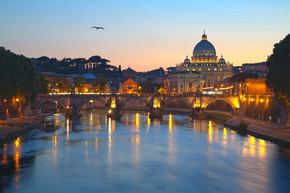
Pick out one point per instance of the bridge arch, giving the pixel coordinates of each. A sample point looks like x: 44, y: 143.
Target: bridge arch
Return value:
x: 79, y: 106
x: 41, y: 102
x: 221, y: 99
x: 164, y: 103
x: 130, y: 100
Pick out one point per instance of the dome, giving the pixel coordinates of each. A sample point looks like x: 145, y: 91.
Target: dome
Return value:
x: 204, y: 48
x: 186, y: 61
x: 221, y: 60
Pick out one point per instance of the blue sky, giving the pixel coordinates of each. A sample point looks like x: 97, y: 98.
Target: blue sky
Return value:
x: 143, y: 34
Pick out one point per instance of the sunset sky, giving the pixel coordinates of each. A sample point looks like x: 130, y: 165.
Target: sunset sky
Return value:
x: 144, y: 35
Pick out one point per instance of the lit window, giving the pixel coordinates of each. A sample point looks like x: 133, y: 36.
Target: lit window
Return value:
x: 193, y: 69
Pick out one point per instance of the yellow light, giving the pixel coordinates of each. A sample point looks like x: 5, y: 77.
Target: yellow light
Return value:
x: 252, y: 140
x: 110, y: 111
x: 5, y: 100
x: 86, y: 90
x: 252, y: 99
x: 237, y: 106
x: 209, y: 132
x: 17, y: 142
x: 91, y: 101
x: 208, y: 69
x: 221, y: 69
x: 199, y: 69
x: 245, y: 99
x: 113, y: 105
x: 262, y: 100
x: 215, y: 69
x: 262, y: 142
x: 193, y: 69
x: 17, y: 100
x: 137, y: 119
x: 170, y: 122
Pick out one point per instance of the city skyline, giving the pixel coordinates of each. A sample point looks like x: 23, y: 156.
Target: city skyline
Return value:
x: 143, y: 35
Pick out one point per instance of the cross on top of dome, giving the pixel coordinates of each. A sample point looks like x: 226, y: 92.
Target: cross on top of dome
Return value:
x: 204, y: 37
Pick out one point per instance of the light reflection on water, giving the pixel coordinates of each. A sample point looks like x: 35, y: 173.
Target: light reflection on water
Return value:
x: 137, y: 154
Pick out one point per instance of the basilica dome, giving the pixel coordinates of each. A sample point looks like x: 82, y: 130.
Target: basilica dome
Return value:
x: 204, y: 48
x: 204, y: 51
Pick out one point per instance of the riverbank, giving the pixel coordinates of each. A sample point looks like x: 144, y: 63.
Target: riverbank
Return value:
x: 276, y: 133
x: 13, y: 128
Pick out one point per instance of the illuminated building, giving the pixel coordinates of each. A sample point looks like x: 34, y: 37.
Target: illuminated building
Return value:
x: 256, y: 86
x: 205, y: 62
x: 130, y: 86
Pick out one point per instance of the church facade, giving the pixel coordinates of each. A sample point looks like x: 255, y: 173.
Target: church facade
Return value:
x: 205, y: 62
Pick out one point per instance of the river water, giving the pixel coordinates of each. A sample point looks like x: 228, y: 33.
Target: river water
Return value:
x: 137, y: 154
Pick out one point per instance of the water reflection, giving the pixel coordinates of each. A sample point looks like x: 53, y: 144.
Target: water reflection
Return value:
x: 137, y: 154
x: 210, y: 132
x: 54, y: 148
x: 17, y: 151
x: 171, y: 143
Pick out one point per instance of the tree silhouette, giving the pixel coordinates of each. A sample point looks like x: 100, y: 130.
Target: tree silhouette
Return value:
x: 278, y: 78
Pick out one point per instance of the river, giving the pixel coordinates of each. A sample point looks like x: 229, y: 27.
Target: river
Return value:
x: 137, y: 154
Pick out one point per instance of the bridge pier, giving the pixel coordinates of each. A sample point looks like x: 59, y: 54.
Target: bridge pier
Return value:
x: 197, y: 113
x: 114, y: 111
x: 72, y: 113
x: 237, y: 111
x: 155, y: 113
x: 155, y: 110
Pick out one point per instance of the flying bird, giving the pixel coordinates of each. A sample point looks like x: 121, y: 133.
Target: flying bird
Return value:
x: 97, y: 27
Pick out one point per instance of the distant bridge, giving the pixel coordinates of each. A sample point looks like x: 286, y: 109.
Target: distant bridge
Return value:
x: 114, y: 103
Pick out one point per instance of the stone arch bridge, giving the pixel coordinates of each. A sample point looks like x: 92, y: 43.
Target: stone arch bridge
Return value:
x: 114, y: 103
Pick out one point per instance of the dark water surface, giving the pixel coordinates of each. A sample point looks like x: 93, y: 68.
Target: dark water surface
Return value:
x: 137, y: 154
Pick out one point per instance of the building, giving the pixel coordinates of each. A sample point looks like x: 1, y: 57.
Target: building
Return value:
x: 256, y: 86
x: 130, y: 86
x: 205, y: 61
x: 185, y: 82
x: 257, y: 68
x: 129, y: 73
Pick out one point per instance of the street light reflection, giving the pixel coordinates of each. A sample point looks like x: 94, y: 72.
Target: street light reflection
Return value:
x: 210, y: 132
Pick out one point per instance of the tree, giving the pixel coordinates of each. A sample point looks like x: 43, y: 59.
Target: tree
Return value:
x: 100, y: 84
x: 17, y: 77
x: 60, y: 83
x: 279, y: 69
x: 41, y: 84
x: 80, y: 83
x: 149, y: 87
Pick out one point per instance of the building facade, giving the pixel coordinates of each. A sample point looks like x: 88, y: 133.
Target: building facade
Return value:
x: 205, y: 61
x: 183, y: 82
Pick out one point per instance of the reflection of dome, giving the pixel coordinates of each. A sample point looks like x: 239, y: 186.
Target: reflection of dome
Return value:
x: 221, y: 60
x: 204, y: 48
x: 186, y: 61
